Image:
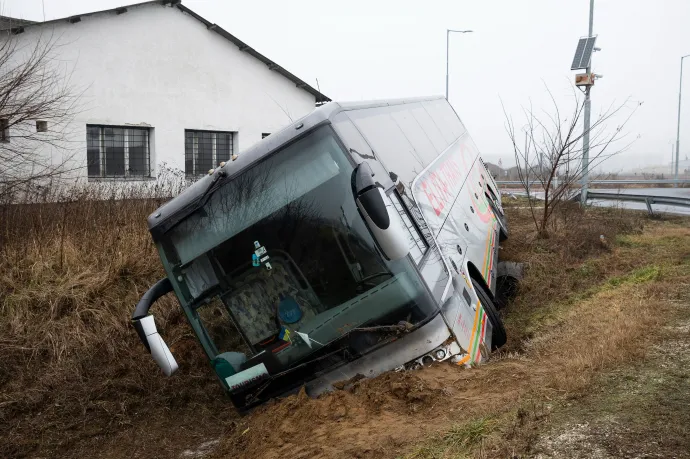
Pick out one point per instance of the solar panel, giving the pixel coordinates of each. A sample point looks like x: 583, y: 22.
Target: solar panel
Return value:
x: 583, y: 53
x: 578, y: 54
x: 587, y: 55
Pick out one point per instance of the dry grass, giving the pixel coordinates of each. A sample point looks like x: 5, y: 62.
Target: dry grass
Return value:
x: 71, y: 365
x: 579, y: 315
x: 572, y: 261
x: 74, y: 376
x: 458, y: 438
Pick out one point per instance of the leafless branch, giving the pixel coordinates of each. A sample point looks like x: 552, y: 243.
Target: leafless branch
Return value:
x: 37, y: 103
x: 549, y: 151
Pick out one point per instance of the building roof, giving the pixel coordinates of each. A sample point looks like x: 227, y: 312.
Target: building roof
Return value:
x: 7, y: 22
x: 18, y: 26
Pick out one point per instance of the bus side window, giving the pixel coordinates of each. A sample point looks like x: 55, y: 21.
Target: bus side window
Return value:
x: 388, y: 141
x: 361, y: 151
x: 356, y: 145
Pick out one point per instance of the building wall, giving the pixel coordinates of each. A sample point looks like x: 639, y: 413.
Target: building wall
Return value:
x: 157, y: 66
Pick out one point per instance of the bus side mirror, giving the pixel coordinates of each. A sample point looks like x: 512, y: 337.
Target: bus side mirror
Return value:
x: 376, y: 209
x: 146, y: 327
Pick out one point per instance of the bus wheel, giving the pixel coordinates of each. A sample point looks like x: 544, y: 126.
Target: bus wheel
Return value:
x: 498, y: 334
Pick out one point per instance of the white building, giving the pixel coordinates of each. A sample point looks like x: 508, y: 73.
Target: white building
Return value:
x: 162, y: 85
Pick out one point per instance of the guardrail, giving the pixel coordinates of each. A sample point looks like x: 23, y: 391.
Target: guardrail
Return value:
x: 647, y: 199
x: 608, y: 182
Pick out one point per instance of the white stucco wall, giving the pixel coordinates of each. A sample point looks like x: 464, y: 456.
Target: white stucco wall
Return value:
x: 159, y: 67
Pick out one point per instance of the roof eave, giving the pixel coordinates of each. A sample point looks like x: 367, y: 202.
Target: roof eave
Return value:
x: 242, y: 46
x: 318, y: 95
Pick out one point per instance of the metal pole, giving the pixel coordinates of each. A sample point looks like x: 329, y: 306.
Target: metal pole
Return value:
x: 680, y: 90
x: 671, y: 157
x: 447, y: 46
x: 448, y: 31
x: 585, y: 137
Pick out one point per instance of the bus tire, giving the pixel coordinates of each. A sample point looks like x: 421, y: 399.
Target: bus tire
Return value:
x: 498, y: 334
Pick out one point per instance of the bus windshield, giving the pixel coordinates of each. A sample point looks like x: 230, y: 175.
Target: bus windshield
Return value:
x: 279, y: 262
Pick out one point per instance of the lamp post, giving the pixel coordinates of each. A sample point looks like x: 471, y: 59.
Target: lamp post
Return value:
x: 448, y: 31
x: 680, y: 90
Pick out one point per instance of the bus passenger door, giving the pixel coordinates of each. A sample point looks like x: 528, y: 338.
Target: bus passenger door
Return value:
x: 453, y: 247
x: 463, y: 237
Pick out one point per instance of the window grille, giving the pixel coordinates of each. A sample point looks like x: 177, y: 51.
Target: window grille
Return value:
x: 118, y: 151
x: 203, y: 150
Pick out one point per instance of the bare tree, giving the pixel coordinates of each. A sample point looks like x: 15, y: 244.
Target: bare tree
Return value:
x: 37, y: 103
x: 549, y: 153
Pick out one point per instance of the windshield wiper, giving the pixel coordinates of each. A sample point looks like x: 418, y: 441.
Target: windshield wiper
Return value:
x: 308, y: 362
x: 221, y: 173
x: 400, y: 327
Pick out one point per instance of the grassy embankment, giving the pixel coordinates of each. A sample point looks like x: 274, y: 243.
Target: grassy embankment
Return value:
x: 590, y: 318
x: 75, y: 381
x: 72, y: 370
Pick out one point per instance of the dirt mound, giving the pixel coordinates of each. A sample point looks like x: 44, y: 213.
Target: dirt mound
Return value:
x: 299, y: 426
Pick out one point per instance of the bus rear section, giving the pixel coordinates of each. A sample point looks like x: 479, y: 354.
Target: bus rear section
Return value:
x: 360, y: 239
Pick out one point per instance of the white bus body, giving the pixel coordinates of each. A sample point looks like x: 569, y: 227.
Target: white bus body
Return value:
x: 372, y: 230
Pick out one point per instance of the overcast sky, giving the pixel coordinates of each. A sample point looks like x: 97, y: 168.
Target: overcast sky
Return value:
x: 395, y: 48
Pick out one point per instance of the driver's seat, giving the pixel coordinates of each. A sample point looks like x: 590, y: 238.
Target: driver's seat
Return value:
x: 254, y: 299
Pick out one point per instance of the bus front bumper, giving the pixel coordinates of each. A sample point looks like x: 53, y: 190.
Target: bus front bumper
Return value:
x: 431, y: 341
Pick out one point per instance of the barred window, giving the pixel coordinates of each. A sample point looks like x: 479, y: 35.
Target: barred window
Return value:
x: 203, y: 150
x: 113, y: 151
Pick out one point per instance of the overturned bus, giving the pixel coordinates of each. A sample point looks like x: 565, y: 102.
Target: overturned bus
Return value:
x: 362, y: 238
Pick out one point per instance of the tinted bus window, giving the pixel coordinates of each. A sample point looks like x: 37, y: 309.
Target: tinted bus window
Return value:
x: 415, y: 135
x: 445, y: 119
x: 432, y: 131
x: 358, y: 147
x: 389, y: 143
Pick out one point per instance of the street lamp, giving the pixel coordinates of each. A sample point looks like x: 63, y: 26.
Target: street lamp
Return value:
x: 448, y: 31
x: 680, y: 90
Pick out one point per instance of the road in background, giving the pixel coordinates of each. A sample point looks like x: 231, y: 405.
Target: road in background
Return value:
x: 675, y: 192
